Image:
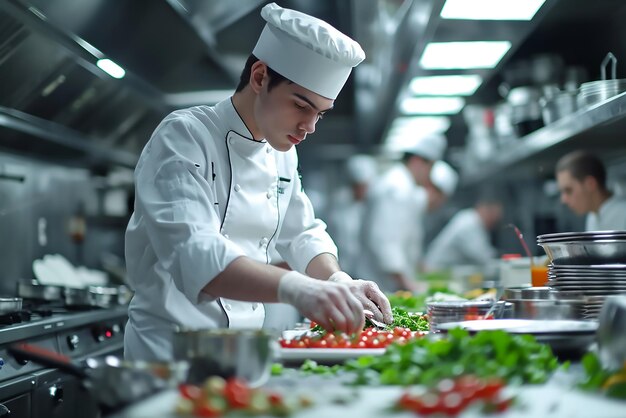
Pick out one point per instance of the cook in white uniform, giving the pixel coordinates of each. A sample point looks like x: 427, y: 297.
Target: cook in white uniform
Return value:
x: 392, y: 228
x: 346, y: 215
x: 582, y: 181
x: 465, y: 238
x: 442, y: 184
x: 218, y: 187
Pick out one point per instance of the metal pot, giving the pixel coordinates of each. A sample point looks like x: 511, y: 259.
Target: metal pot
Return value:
x: 558, y: 105
x: 34, y: 290
x: 103, y: 296
x: 8, y: 305
x: 112, y: 382
x: 246, y: 354
x: 598, y: 91
x: 547, y: 309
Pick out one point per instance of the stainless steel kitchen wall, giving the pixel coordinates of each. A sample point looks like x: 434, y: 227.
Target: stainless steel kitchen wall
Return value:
x: 38, y: 202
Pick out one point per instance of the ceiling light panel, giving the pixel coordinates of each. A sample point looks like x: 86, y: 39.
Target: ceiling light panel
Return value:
x: 432, y: 105
x: 446, y: 85
x: 491, y: 9
x: 463, y: 55
x: 111, y: 68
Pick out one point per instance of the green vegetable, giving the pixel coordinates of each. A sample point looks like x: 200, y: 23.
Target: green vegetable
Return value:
x: 277, y: 369
x: 515, y: 358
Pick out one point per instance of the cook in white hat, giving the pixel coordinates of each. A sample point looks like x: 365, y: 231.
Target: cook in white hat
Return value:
x: 443, y: 182
x: 345, y: 217
x: 393, y: 229
x: 217, y: 189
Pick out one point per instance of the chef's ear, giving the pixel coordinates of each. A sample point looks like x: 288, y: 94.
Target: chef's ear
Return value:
x: 258, y: 76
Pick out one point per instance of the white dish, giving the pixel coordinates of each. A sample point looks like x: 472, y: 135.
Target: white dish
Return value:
x: 326, y: 355
x: 526, y: 326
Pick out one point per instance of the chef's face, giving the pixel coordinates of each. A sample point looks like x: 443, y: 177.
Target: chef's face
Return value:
x: 287, y: 113
x: 574, y: 193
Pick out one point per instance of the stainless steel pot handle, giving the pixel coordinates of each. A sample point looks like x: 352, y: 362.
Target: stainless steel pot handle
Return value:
x: 613, y: 60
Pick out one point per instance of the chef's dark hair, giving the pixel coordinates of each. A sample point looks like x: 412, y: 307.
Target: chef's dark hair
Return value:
x: 581, y: 164
x: 275, y: 78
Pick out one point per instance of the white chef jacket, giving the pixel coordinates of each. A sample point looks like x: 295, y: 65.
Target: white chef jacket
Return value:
x: 206, y: 194
x: 392, y: 230
x: 464, y: 240
x: 344, y: 223
x: 610, y: 217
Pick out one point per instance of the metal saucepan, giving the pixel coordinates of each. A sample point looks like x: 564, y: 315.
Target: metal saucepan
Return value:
x: 113, y: 382
x: 33, y: 290
x: 8, y: 305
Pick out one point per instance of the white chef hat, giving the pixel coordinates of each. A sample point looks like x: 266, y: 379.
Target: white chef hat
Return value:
x: 444, y: 177
x: 430, y: 147
x: 361, y: 168
x: 307, y: 50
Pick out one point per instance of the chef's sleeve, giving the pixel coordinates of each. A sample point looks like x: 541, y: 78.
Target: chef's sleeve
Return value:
x: 302, y: 236
x: 177, y: 203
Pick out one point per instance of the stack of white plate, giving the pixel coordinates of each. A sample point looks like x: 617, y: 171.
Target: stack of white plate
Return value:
x: 591, y: 283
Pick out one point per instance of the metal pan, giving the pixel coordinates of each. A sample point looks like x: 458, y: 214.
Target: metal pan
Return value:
x: 113, y: 383
x: 34, y: 290
x: 8, y: 305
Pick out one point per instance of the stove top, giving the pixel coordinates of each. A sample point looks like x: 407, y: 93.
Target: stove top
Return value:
x: 75, y: 334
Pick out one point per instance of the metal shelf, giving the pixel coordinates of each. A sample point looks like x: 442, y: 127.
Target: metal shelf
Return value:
x: 601, y: 122
x: 61, y: 137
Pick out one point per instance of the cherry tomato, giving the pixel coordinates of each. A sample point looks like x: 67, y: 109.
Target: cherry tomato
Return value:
x: 188, y: 391
x: 237, y: 393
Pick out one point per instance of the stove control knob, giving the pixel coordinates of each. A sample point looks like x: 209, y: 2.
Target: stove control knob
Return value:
x: 72, y: 341
x: 56, y: 393
x: 101, y: 333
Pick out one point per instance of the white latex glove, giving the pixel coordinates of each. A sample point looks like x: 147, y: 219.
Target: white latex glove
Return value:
x: 331, y: 305
x: 368, y: 293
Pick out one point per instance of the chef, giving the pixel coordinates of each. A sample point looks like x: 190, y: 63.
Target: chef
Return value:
x: 346, y: 216
x: 465, y: 240
x: 217, y: 188
x: 443, y: 181
x: 392, y: 230
x: 582, y: 181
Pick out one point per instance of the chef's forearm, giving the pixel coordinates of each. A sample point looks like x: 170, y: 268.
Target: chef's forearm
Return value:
x: 247, y: 280
x: 322, y: 266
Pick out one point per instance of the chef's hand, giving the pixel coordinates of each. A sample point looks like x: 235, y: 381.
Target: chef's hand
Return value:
x: 332, y: 305
x: 368, y: 293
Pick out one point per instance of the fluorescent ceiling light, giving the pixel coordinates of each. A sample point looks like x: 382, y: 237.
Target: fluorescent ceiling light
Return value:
x: 491, y: 9
x: 463, y: 55
x: 432, y: 105
x: 427, y: 124
x: 446, y: 85
x: 111, y: 68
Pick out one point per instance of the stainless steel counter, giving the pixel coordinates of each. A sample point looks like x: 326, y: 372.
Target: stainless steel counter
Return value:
x: 555, y: 399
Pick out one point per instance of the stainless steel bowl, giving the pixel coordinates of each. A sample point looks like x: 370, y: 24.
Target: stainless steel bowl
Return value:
x: 527, y: 292
x: 582, y: 252
x: 246, y: 354
x: 547, y: 309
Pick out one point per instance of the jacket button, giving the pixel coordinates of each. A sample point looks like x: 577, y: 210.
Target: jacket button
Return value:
x: 227, y: 306
x: 225, y: 236
x: 263, y: 242
x: 254, y: 306
x: 269, y: 195
x: 268, y: 149
x: 231, y: 140
x: 237, y: 187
